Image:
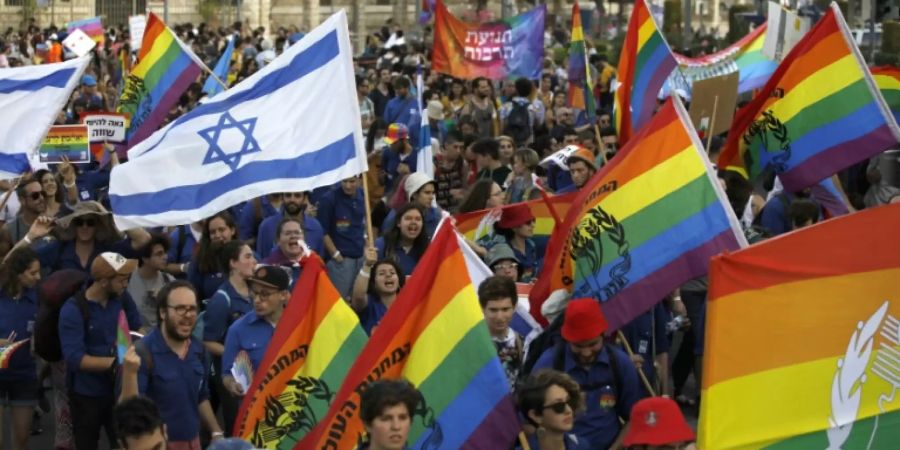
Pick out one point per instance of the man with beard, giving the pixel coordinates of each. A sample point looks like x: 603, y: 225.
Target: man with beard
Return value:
x: 483, y: 109
x: 293, y: 206
x: 167, y: 367
x: 31, y: 197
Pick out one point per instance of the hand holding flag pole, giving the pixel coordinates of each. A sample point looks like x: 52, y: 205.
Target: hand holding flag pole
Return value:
x: 640, y: 370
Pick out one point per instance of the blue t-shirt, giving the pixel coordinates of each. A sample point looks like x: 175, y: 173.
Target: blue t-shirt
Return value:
x: 57, y: 255
x: 371, y: 315
x: 187, y: 250
x: 405, y: 111
x: 224, y: 308
x: 251, y: 334
x: 19, y: 315
x: 407, y: 261
x: 343, y: 219
x: 247, y: 220
x: 647, y: 336
x: 313, y: 235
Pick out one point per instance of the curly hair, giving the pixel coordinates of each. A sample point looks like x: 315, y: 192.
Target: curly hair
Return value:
x: 382, y: 394
x: 533, y: 391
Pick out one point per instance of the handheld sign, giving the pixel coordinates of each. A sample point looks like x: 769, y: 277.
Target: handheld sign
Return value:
x: 136, y: 26
x: 79, y: 42
x: 69, y: 141
x: 106, y: 126
x: 713, y: 104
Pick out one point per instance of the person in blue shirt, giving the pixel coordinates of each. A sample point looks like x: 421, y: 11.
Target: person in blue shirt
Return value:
x: 254, y: 213
x: 295, y: 205
x: 405, y: 242
x: 605, y: 373
x: 404, y: 108
x: 169, y: 368
x: 549, y: 401
x: 582, y: 167
x: 18, y: 310
x: 229, y: 303
x: 342, y: 213
x: 270, y: 287
x: 398, y: 160
x: 184, y: 240
x: 649, y: 341
x: 88, y: 325
x: 386, y: 409
x: 290, y: 247
x: 420, y: 190
x: 375, y: 289
x: 516, y: 228
x: 206, y: 271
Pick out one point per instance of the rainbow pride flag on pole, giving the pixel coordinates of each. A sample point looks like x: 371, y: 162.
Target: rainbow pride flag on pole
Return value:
x: 645, y: 63
x: 644, y: 224
x: 819, y: 113
x: 316, y: 341
x: 744, y: 56
x: 802, y: 339
x: 433, y: 335
x: 581, y: 92
x: 92, y: 27
x: 123, y: 337
x: 888, y: 80
x: 476, y: 225
x: 165, y: 69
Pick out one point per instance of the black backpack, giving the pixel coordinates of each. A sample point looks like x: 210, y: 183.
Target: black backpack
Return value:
x: 52, y: 293
x: 518, y: 123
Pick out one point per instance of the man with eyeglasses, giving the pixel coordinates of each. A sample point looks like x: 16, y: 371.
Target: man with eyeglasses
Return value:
x: 168, y: 367
x: 31, y: 197
x: 605, y: 373
x: 270, y: 289
x: 294, y: 205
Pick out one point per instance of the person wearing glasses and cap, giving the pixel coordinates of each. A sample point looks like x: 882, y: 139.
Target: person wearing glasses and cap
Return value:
x: 549, y: 400
x: 270, y: 289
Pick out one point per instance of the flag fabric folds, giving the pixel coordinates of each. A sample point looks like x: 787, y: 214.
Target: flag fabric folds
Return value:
x: 802, y: 338
x: 581, y: 91
x: 643, y: 225
x: 314, y: 345
x: 93, y: 27
x: 819, y: 113
x: 888, y: 80
x: 510, y: 48
x: 645, y: 63
x: 476, y: 225
x: 31, y: 97
x: 212, y: 86
x: 433, y: 335
x: 165, y: 69
x: 424, y: 150
x: 236, y: 146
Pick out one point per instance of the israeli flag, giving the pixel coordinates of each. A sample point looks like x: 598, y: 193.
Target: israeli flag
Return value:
x: 292, y: 126
x: 30, y: 99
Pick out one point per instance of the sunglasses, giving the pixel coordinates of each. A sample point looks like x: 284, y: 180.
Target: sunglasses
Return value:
x: 36, y: 195
x: 560, y: 407
x: 78, y: 222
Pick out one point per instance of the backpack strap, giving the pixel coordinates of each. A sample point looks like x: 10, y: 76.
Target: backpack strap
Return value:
x: 182, y: 237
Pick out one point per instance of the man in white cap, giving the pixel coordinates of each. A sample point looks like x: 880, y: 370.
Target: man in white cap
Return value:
x: 88, y: 327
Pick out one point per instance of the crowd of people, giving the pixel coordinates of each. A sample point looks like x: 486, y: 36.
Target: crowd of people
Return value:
x: 202, y: 293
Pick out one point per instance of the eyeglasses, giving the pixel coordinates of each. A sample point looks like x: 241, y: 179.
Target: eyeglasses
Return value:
x: 36, y: 195
x: 506, y: 266
x: 560, y: 407
x: 262, y: 295
x: 79, y: 222
x: 293, y: 195
x: 183, y: 310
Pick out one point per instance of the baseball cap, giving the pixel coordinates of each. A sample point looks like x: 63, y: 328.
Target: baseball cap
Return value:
x: 88, y: 80
x: 657, y: 421
x: 272, y: 276
x: 584, y: 320
x: 396, y: 132
x: 110, y: 264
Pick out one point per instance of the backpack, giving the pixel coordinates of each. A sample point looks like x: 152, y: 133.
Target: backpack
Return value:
x: 52, y: 293
x: 518, y: 123
x: 197, y: 334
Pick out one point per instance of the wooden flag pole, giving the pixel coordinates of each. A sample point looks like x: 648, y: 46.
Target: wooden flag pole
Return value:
x: 370, y: 238
x: 639, y: 369
x: 712, y: 123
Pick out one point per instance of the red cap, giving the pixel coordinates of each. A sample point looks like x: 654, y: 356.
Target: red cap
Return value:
x: 515, y: 215
x: 584, y: 320
x: 657, y: 421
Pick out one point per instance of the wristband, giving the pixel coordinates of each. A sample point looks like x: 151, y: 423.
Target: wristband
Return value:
x: 336, y: 254
x: 68, y: 186
x: 216, y: 434
x: 364, y: 272
x: 27, y: 239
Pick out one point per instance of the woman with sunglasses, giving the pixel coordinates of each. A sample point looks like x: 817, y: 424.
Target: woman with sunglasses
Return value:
x: 549, y: 400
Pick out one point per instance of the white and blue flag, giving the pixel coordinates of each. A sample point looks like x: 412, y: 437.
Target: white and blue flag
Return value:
x: 425, y: 155
x: 30, y: 100
x: 292, y: 126
x: 212, y: 85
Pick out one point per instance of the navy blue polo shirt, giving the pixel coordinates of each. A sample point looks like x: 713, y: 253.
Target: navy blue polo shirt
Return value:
x: 187, y: 250
x: 97, y: 338
x: 313, y: 235
x: 529, y: 261
x: 390, y: 161
x: 407, y: 261
x: 19, y: 315
x: 176, y: 385
x: 90, y: 183
x: 251, y: 334
x: 206, y: 283
x: 599, y: 424
x: 56, y: 255
x: 371, y: 315
x: 224, y: 308
x: 647, y: 336
x: 247, y: 219
x: 343, y: 219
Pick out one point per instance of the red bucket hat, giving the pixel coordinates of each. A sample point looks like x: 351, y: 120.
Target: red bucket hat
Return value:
x: 657, y: 421
x: 515, y: 215
x: 584, y: 320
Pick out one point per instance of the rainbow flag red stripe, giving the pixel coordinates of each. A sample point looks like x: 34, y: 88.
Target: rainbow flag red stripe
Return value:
x: 433, y: 335
x: 645, y: 63
x: 802, y: 339
x: 581, y: 93
x: 645, y: 223
x: 165, y: 69
x: 315, y: 343
x: 92, y: 27
x: 819, y: 113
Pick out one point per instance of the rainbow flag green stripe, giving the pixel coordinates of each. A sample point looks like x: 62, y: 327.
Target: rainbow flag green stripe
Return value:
x: 888, y: 80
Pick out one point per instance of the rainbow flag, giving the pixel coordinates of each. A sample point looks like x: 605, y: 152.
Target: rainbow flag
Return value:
x: 510, y: 48
x: 744, y: 56
x: 434, y: 336
x: 476, y: 225
x: 646, y: 223
x: 581, y: 92
x: 888, y: 80
x: 123, y: 337
x: 315, y: 343
x: 165, y: 69
x: 645, y: 63
x: 7, y: 352
x: 819, y: 113
x: 92, y: 27
x: 802, y: 339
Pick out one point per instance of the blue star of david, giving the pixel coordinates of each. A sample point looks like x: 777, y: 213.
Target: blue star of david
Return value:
x: 211, y: 135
